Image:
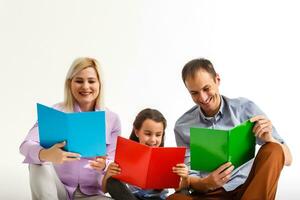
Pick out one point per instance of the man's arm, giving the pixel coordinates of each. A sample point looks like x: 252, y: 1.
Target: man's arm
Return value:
x: 214, y: 180
x: 263, y: 130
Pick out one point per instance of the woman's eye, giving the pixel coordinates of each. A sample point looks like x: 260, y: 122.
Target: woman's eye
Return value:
x: 78, y: 81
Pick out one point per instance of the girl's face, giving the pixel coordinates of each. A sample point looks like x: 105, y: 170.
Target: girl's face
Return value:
x: 85, y: 87
x: 151, y: 133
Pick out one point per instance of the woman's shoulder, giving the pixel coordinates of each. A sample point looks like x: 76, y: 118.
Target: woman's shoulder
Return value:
x: 110, y: 113
x: 59, y: 106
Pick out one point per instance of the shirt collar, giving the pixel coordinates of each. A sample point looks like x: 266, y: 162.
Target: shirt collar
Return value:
x: 77, y: 108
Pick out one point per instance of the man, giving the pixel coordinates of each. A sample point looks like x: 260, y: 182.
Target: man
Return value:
x: 256, y: 179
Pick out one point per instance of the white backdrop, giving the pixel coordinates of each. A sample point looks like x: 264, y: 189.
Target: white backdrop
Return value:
x: 142, y: 46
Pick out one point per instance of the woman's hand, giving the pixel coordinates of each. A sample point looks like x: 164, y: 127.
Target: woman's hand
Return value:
x: 182, y: 171
x: 98, y: 164
x: 56, y: 155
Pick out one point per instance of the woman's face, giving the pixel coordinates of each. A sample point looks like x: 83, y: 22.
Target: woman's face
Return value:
x: 85, y: 88
x: 151, y: 133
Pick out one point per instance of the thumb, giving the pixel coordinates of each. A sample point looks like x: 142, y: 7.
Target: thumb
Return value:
x: 60, y: 145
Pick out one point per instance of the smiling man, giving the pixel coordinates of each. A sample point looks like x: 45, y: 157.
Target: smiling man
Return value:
x: 256, y: 179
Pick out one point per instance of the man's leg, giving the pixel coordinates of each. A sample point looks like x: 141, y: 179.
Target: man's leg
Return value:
x: 264, y: 175
x: 218, y: 194
x: 44, y: 183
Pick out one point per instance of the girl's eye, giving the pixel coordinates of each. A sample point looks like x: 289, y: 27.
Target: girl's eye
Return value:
x: 78, y: 81
x: 91, y: 82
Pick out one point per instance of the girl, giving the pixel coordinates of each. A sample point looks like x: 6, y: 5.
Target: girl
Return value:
x: 149, y: 129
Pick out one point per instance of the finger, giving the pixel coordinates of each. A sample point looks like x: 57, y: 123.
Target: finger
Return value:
x: 103, y: 157
x: 257, y: 118
x: 227, y: 171
x: 225, y: 179
x: 260, y: 123
x: 180, y: 165
x: 264, y: 128
x: 60, y: 145
x: 115, y: 168
x: 223, y: 167
x: 68, y: 159
x: 101, y: 160
x: 71, y: 154
x: 113, y: 164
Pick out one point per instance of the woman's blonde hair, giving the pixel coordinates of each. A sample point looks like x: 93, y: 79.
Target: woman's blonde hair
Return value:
x: 78, y: 65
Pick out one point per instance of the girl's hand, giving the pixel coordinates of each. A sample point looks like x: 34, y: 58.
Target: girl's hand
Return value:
x: 56, y: 155
x: 113, y: 169
x: 182, y: 171
x: 98, y: 164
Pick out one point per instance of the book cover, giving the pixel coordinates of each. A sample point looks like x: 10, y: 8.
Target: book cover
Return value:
x: 84, y: 132
x: 210, y: 148
x: 148, y: 167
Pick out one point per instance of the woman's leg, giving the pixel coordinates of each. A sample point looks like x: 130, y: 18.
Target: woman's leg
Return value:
x: 119, y: 190
x: 78, y: 195
x: 44, y: 183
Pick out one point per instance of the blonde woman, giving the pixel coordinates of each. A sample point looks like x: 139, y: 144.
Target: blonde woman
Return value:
x: 57, y: 174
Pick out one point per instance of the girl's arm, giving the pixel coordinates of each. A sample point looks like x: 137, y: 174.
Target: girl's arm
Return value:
x: 182, y: 171
x: 113, y: 169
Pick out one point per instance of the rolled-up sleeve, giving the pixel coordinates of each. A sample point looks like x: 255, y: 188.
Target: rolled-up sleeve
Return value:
x: 30, y: 147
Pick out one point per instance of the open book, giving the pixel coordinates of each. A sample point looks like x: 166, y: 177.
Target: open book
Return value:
x: 148, y: 167
x: 84, y: 132
x: 210, y: 148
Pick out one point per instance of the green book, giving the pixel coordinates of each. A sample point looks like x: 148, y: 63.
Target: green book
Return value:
x: 210, y: 148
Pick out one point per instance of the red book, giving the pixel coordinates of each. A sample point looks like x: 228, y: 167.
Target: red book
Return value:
x: 148, y: 167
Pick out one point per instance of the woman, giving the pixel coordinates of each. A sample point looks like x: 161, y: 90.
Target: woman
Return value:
x: 73, y: 177
x: 149, y: 129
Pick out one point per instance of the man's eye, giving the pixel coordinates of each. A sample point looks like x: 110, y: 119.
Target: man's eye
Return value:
x: 206, y: 89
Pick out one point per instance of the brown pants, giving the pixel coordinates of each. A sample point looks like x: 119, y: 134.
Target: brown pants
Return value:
x: 261, y: 183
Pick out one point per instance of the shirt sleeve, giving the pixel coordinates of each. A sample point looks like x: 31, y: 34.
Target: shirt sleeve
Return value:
x: 30, y: 147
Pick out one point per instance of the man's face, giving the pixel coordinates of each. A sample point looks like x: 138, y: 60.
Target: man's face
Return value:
x: 204, y: 90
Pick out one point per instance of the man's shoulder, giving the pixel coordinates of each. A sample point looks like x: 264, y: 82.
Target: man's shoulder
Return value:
x: 190, y: 114
x: 238, y: 102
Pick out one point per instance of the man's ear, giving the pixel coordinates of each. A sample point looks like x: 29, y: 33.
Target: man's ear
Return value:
x: 217, y: 79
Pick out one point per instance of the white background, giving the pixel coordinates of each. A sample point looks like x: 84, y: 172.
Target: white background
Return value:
x: 142, y: 47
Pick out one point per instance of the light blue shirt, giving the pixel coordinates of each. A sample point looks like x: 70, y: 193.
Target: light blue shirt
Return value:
x: 232, y: 112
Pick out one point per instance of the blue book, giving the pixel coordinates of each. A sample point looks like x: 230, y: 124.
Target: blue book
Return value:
x: 84, y: 132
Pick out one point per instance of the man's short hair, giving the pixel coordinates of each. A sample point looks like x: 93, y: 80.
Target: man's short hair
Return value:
x: 190, y: 68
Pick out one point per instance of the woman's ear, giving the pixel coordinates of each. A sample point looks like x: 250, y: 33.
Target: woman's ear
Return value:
x: 136, y: 132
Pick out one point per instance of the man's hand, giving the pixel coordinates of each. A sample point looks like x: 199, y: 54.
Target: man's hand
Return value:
x: 219, y: 177
x: 262, y: 128
x: 56, y: 155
